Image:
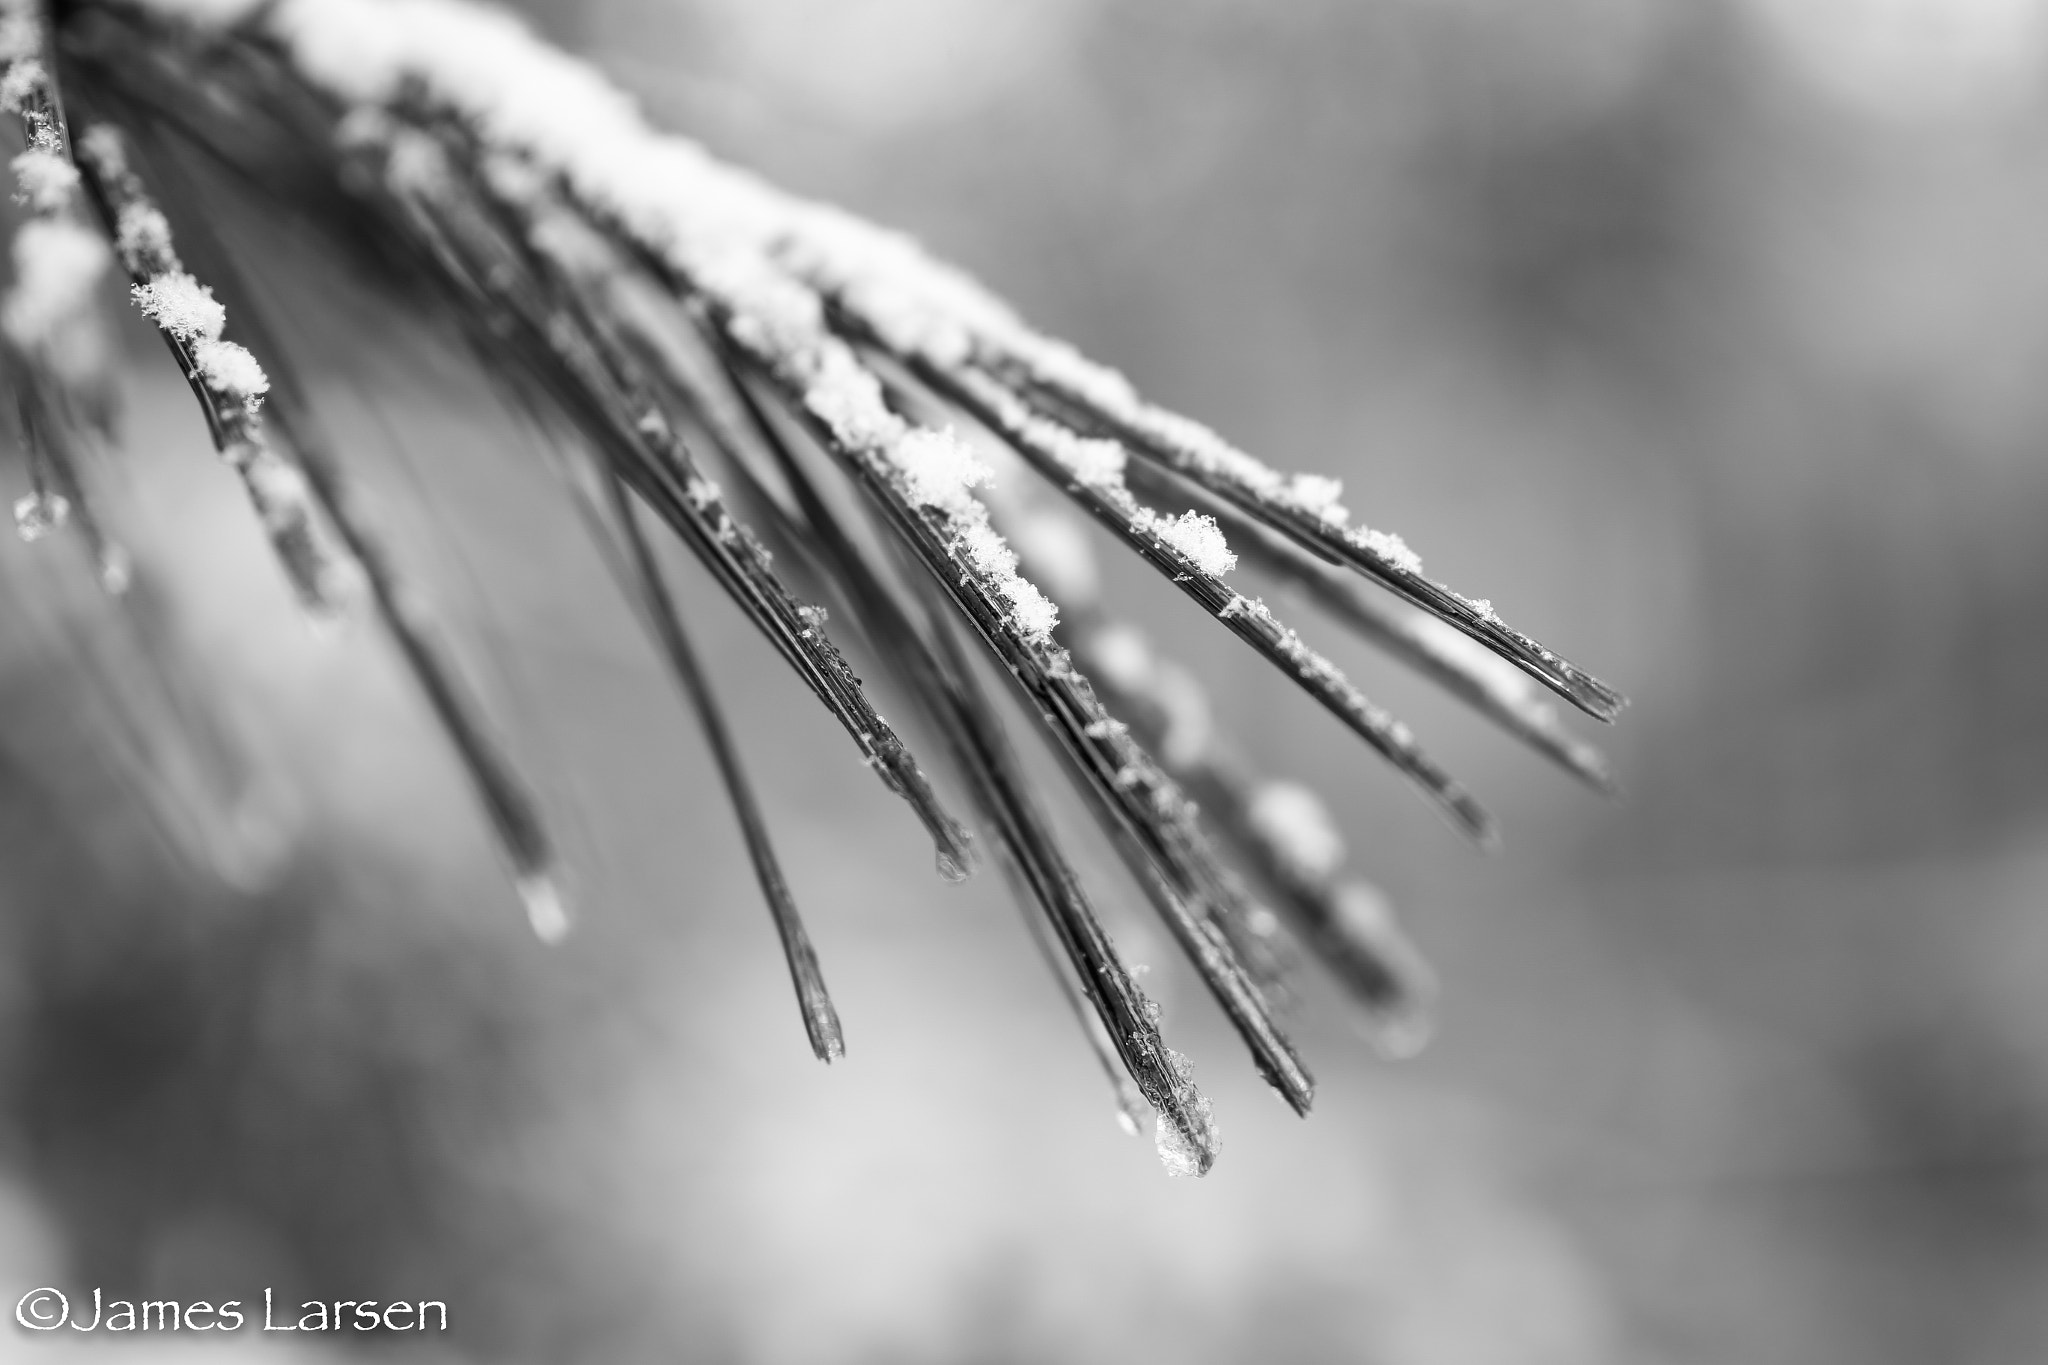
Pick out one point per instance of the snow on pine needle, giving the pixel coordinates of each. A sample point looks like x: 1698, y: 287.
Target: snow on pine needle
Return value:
x: 882, y: 419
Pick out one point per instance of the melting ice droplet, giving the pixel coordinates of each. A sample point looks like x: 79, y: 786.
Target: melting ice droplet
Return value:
x: 545, y: 910
x: 950, y: 868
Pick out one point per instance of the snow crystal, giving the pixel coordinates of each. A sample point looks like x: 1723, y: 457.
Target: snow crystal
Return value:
x: 181, y: 306
x: 1295, y: 823
x: 102, y: 146
x: 229, y: 370
x: 916, y: 305
x: 1318, y: 494
x: 939, y: 470
x: 47, y: 178
x: 143, y: 234
x: 39, y: 514
x: 847, y: 398
x: 1199, y: 539
x: 1062, y: 368
x: 56, y: 265
x: 761, y: 257
x: 1034, y: 616
x: 22, y: 80
x: 764, y: 257
x: 1089, y: 461
x: 988, y: 552
x: 1389, y: 547
x: 1176, y: 1153
x: 1093, y: 462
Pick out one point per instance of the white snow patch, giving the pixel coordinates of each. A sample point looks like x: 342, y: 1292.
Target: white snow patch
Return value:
x: 1319, y: 495
x: 1199, y: 539
x: 1389, y: 547
x: 229, y: 370
x: 143, y: 234
x: 181, y: 306
x: 939, y: 469
x: 47, y: 178
x: 844, y: 395
x: 1033, y: 615
x: 22, y: 80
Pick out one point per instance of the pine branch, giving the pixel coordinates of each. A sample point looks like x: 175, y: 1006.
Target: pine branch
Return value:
x: 658, y: 606
x: 1476, y: 676
x: 1115, y: 1016
x: 663, y: 303
x: 224, y: 377
x: 1147, y: 810
x: 1098, y: 487
x: 1262, y: 493
x: 610, y: 403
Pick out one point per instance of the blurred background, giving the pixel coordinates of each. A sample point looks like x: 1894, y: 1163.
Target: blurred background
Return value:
x: 1707, y: 338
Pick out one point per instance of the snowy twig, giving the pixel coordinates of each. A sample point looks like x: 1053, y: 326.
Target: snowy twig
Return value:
x: 1475, y: 675
x: 1084, y: 399
x: 1122, y: 1019
x: 505, y: 795
x: 1281, y: 829
x: 654, y: 297
x: 54, y: 348
x: 224, y: 376
x: 614, y: 407
x: 1192, y: 557
x: 1143, y: 805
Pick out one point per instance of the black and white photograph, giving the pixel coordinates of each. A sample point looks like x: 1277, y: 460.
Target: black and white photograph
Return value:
x: 1024, y: 682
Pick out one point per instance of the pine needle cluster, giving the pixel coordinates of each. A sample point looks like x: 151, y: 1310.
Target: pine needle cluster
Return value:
x: 747, y: 370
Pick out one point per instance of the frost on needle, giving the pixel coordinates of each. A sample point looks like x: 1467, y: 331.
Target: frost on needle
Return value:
x: 761, y: 381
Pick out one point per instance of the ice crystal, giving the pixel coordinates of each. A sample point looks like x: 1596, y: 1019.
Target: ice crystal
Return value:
x: 229, y: 370
x: 181, y: 306
x: 1176, y: 1153
x: 142, y: 232
x: 940, y: 470
x: 1200, y: 539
